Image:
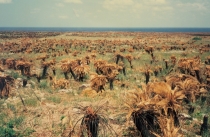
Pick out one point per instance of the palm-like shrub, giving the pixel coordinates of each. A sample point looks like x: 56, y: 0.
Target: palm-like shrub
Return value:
x: 167, y: 128
x: 147, y: 72
x: 129, y: 58
x: 119, y: 57
x: 10, y: 63
x: 5, y: 82
x: 187, y: 84
x: 45, y: 65
x: 98, y: 82
x: 111, y: 77
x: 141, y: 108
x: 90, y: 122
x: 169, y: 100
x: 81, y: 71
x: 173, y: 60
x: 109, y: 70
x: 98, y: 64
x: 94, y: 122
x: 146, y: 106
x: 188, y: 65
x: 207, y: 72
x: 24, y: 66
x: 68, y: 66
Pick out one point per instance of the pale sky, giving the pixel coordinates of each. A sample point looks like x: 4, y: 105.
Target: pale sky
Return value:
x: 105, y: 13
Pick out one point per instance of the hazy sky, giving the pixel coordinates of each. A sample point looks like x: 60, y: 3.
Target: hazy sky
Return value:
x: 105, y: 13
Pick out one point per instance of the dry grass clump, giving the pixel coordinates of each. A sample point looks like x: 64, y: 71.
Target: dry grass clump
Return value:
x: 60, y: 83
x: 89, y: 92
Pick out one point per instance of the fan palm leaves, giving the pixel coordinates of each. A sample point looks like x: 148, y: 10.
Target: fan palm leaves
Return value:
x: 98, y: 82
x: 94, y: 122
x: 24, y: 66
x: 107, y: 68
x: 149, y: 49
x: 167, y: 128
x: 147, y: 103
x: 207, y: 72
x: 187, y: 65
x: 87, y: 59
x: 173, y: 79
x: 142, y: 109
x: 5, y: 82
x: 171, y: 103
x: 111, y: 77
x: 129, y: 58
x: 110, y: 71
x: 190, y: 86
x: 68, y: 66
x: 81, y: 71
x: 10, y: 62
x: 137, y: 99
x: 147, y: 71
x: 98, y: 64
x: 170, y: 99
x: 118, y: 57
x: 45, y: 65
x: 173, y: 59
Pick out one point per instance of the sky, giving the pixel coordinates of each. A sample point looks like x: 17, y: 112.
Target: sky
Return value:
x: 105, y: 13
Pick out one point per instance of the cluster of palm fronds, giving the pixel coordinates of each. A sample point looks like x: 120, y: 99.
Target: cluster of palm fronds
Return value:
x: 190, y: 66
x: 93, y: 122
x: 155, y: 107
x: 147, y: 70
x: 98, y: 82
x: 24, y: 66
x: 106, y: 70
x: 5, y: 85
x: 77, y: 68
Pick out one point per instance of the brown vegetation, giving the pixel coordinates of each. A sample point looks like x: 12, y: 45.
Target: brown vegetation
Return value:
x: 159, y: 76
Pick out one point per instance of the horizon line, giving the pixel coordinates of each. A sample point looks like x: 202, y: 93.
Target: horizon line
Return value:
x: 95, y: 27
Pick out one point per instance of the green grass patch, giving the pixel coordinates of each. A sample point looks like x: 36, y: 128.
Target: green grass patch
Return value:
x: 14, y: 74
x: 11, y: 107
x: 32, y: 102
x: 54, y: 99
x: 43, y: 84
x: 12, y: 127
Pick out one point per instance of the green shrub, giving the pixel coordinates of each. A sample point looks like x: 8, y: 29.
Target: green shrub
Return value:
x: 62, y: 117
x: 7, y: 132
x: 14, y: 74
x: 7, y: 127
x: 197, y: 38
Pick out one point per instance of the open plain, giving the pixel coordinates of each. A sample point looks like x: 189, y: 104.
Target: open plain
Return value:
x: 104, y: 84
